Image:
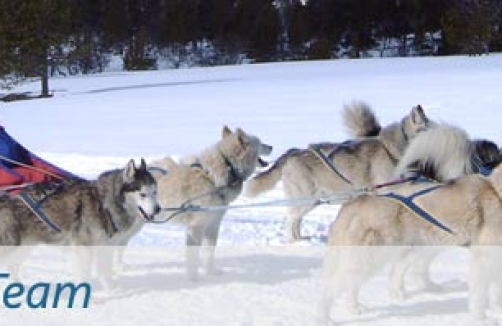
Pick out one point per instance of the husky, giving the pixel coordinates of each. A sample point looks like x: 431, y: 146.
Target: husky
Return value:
x: 372, y: 227
x: 441, y: 154
x: 361, y: 162
x: 213, y: 178
x: 80, y: 213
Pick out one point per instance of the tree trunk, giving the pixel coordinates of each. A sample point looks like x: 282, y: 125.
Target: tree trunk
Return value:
x: 44, y: 76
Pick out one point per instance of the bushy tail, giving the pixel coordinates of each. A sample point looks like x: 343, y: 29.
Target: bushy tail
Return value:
x: 360, y: 120
x: 267, y: 180
x: 441, y: 153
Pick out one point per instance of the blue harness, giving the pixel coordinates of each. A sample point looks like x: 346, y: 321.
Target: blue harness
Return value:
x: 485, y: 170
x: 411, y: 205
x: 329, y: 159
x: 39, y: 213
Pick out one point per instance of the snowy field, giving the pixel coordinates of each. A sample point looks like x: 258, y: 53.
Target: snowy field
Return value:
x: 97, y: 123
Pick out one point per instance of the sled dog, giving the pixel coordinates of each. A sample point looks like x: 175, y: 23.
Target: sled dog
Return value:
x: 373, y: 227
x: 362, y: 162
x: 80, y: 213
x: 441, y: 154
x: 213, y: 178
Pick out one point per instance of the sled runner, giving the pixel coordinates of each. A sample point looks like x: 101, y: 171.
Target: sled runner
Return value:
x: 20, y: 168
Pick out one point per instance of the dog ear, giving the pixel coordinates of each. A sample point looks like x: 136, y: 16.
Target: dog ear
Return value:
x: 142, y: 165
x: 240, y: 136
x: 129, y: 171
x: 418, y: 116
x: 225, y: 132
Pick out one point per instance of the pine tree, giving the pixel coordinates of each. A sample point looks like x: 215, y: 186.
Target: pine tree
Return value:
x: 326, y: 27
x: 470, y: 25
x: 87, y: 51
x: 32, y: 34
x: 298, y: 29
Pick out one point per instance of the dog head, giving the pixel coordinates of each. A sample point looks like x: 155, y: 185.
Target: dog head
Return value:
x: 244, y: 150
x: 139, y: 190
x: 486, y: 153
x: 416, y: 122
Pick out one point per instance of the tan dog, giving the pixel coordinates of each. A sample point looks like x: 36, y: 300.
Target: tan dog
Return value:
x: 364, y: 161
x: 440, y: 154
x: 213, y: 178
x: 369, y: 229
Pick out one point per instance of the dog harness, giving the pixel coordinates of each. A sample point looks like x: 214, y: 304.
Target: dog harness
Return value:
x: 34, y: 207
x: 234, y: 176
x: 328, y: 159
x: 408, y: 202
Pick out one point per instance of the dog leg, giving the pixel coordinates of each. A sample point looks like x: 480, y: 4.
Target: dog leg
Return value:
x: 16, y: 260
x: 344, y: 272
x: 12, y: 258
x: 497, y: 297
x: 209, y: 242
x: 478, y: 286
x: 419, y: 271
x: 193, y: 244
x: 118, y: 258
x: 328, y: 297
x: 352, y: 301
x: 359, y: 264
x: 82, y: 262
x: 397, y: 288
x: 330, y: 284
x: 294, y: 222
x: 103, y: 258
x: 295, y: 187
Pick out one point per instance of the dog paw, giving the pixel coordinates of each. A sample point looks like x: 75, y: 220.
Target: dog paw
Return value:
x: 216, y: 271
x: 300, y: 242
x: 324, y: 321
x: 430, y: 287
x: 212, y: 271
x: 194, y: 277
x: 357, y: 309
x: 120, y: 268
x: 398, y: 294
x: 486, y: 322
x: 104, y: 295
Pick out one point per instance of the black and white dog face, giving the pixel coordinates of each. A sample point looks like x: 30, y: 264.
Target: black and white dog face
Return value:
x: 139, y: 191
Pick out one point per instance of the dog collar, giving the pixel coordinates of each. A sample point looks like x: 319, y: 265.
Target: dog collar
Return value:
x: 234, y: 177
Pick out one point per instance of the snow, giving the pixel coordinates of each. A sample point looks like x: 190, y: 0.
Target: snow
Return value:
x: 97, y: 123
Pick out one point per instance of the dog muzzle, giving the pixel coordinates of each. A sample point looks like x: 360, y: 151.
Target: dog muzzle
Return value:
x: 262, y: 163
x: 147, y: 217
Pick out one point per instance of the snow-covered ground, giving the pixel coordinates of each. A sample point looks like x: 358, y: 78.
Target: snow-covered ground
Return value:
x: 96, y: 123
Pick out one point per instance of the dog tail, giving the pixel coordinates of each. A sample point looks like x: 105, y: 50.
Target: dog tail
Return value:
x: 441, y: 154
x: 360, y: 120
x: 267, y: 180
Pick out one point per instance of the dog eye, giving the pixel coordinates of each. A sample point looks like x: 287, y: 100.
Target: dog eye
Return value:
x: 142, y: 195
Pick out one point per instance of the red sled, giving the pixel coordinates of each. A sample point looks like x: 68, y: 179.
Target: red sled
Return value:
x: 20, y: 167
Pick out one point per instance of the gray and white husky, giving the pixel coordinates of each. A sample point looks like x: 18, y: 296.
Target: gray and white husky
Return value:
x: 83, y: 214
x: 362, y: 161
